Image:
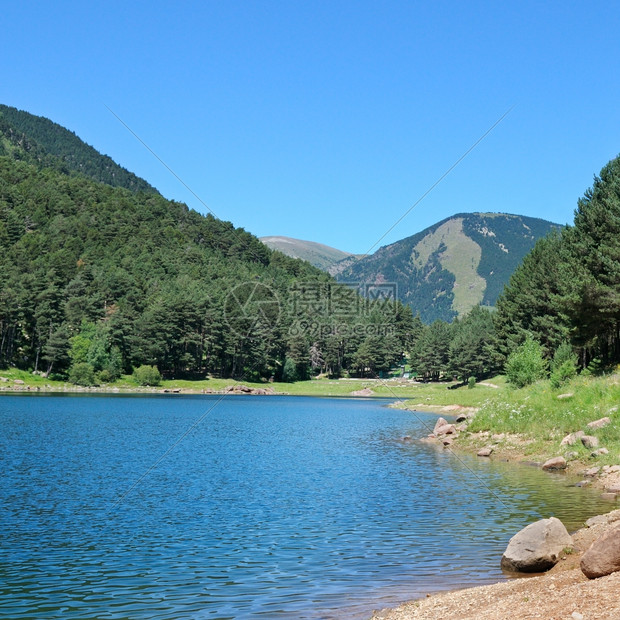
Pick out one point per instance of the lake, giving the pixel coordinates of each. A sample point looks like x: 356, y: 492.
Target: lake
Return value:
x: 162, y: 506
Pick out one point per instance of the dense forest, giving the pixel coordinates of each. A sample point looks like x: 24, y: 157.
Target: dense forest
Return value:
x: 568, y: 287
x: 104, y: 279
x: 97, y: 279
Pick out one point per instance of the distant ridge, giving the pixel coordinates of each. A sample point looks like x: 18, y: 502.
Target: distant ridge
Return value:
x: 317, y: 254
x: 41, y: 142
x: 447, y: 269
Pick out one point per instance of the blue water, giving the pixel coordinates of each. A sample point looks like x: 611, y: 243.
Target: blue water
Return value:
x: 243, y: 507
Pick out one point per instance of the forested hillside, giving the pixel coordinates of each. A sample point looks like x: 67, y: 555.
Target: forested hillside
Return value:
x: 143, y: 277
x: 44, y: 143
x: 102, y: 279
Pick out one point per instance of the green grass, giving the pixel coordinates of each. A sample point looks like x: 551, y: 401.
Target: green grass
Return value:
x: 431, y: 394
x: 462, y: 260
x: 537, y: 413
x: 23, y: 375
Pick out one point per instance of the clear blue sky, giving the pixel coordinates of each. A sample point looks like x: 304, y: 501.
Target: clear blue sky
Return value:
x: 327, y: 120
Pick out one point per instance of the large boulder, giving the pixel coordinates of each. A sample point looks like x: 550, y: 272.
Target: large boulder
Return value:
x: 446, y: 429
x: 603, y: 556
x: 537, y: 547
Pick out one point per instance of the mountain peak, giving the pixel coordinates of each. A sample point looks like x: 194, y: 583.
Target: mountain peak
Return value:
x: 317, y: 254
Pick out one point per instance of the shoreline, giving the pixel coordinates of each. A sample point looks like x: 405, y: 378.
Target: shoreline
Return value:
x: 509, y: 447
x: 562, y: 592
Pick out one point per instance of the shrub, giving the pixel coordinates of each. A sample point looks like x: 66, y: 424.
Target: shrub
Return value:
x: 104, y: 376
x: 147, y: 375
x: 563, y: 366
x: 289, y: 372
x: 526, y: 364
x: 471, y: 382
x: 564, y: 353
x: 82, y: 373
x: 563, y: 374
x: 595, y: 367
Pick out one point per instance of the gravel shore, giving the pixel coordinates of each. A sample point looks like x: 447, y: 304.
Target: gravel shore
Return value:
x: 563, y: 593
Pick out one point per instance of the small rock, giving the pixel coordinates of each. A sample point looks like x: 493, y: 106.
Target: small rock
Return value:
x: 599, y: 452
x: 589, y: 441
x: 611, y: 496
x: 18, y: 381
x: 363, y: 392
x: 583, y: 483
x: 447, y: 442
x: 601, y: 423
x: 445, y: 429
x: 591, y: 472
x: 485, y: 452
x: 572, y: 438
x: 603, y: 556
x: 571, y: 456
x: 440, y: 422
x: 557, y: 462
x: 613, y: 488
x: 567, y: 395
x: 576, y: 616
x: 4, y: 379
x: 536, y: 547
x: 614, y: 468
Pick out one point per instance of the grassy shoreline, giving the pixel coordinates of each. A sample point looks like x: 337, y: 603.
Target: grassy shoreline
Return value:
x: 529, y: 424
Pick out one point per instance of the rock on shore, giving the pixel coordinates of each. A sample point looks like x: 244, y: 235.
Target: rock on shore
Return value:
x: 537, y: 547
x: 603, y: 556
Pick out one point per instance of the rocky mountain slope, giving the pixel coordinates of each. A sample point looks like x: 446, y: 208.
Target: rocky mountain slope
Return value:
x: 452, y: 266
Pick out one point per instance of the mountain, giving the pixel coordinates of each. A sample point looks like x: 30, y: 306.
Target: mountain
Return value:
x: 317, y: 254
x: 100, y: 273
x: 43, y: 143
x: 452, y: 266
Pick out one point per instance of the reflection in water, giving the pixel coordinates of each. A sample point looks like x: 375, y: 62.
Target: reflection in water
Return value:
x: 273, y: 507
